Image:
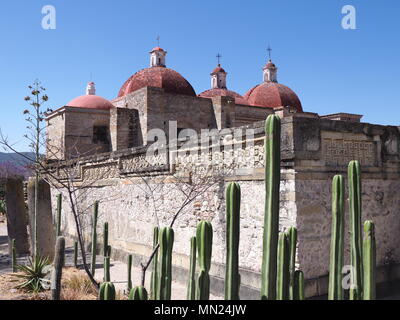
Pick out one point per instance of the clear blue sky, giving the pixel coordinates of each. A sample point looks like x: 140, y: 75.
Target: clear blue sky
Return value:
x: 331, y: 69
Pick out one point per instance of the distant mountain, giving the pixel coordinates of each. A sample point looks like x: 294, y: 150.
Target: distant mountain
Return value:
x: 13, y: 164
x: 16, y: 158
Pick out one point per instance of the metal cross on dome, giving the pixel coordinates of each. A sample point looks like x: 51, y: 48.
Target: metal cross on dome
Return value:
x: 218, y: 58
x: 269, y: 51
x: 158, y: 41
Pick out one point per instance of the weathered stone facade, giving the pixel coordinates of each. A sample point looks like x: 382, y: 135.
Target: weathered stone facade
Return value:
x: 71, y: 130
x: 313, y: 151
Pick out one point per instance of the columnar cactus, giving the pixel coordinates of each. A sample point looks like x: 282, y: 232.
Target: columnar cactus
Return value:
x: 166, y: 240
x: 107, y: 277
x: 105, y: 239
x: 337, y: 240
x: 204, y: 236
x: 129, y: 272
x: 59, y: 208
x: 354, y: 176
x: 271, y: 216
x: 76, y: 254
x: 369, y: 254
x: 283, y: 275
x: 298, y: 292
x: 138, y: 293
x: 291, y: 233
x: 154, y: 273
x: 13, y: 256
x: 94, y: 237
x: 107, y: 291
x: 191, y: 286
x: 57, y: 269
x: 232, y: 276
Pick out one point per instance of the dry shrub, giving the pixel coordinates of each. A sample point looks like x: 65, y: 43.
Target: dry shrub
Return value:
x: 77, y: 286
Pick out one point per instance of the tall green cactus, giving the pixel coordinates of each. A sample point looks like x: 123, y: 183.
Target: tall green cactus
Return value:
x: 354, y: 176
x: 204, y: 236
x: 166, y: 240
x: 298, y: 292
x: 107, y: 291
x: 13, y: 256
x: 105, y: 239
x: 336, y: 291
x: 129, y: 272
x: 271, y: 216
x: 107, y: 277
x: 76, y: 254
x: 154, y: 273
x: 191, y: 286
x: 59, y: 209
x: 369, y: 254
x: 94, y: 237
x: 56, y: 273
x: 291, y: 233
x: 232, y: 277
x: 138, y: 293
x: 283, y: 275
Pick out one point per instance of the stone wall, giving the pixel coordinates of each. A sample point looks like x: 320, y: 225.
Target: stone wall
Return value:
x: 313, y: 150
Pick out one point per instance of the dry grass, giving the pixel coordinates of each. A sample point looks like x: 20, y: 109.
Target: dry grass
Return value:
x: 75, y: 286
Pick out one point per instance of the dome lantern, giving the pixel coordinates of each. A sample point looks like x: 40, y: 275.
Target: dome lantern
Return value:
x: 270, y: 72
x: 91, y: 88
x: 157, y: 57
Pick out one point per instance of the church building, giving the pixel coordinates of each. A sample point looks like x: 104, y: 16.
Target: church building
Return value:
x: 154, y: 96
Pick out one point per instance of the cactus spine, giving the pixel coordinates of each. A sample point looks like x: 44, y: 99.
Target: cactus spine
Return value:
x: 291, y: 233
x: 154, y: 273
x: 13, y: 256
x: 130, y: 272
x: 166, y: 240
x: 59, y: 208
x: 283, y: 276
x: 105, y: 239
x: 337, y: 240
x: 232, y: 277
x: 191, y: 287
x: 271, y: 216
x: 138, y: 293
x: 354, y: 176
x: 76, y: 254
x: 204, y: 236
x: 94, y: 237
x: 369, y: 255
x: 107, y: 291
x: 57, y: 269
x: 298, y: 282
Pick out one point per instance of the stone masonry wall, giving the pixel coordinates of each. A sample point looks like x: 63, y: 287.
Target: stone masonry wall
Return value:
x: 312, y: 152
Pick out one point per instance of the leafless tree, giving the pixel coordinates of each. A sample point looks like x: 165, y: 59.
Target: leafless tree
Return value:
x: 190, y: 187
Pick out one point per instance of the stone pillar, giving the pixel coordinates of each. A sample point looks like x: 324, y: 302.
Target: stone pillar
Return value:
x: 224, y: 111
x: 17, y: 220
x: 44, y: 219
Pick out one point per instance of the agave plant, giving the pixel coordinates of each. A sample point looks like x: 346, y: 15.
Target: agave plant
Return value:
x: 35, y: 275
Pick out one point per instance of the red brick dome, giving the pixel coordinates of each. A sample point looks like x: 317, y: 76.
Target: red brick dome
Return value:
x: 273, y: 95
x: 161, y: 77
x: 223, y: 92
x: 91, y: 102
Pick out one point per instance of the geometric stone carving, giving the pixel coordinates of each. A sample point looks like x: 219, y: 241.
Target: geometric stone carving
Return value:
x: 339, y: 152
